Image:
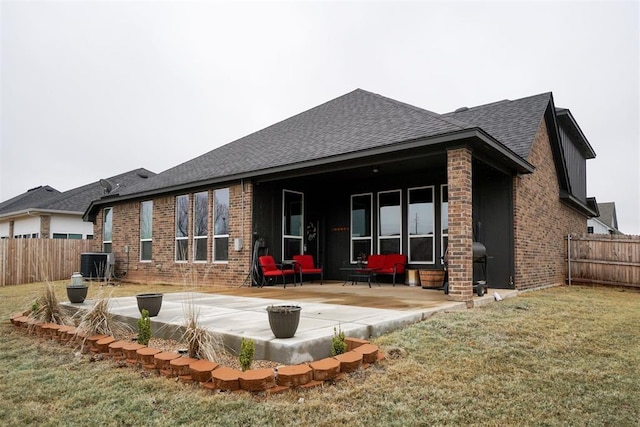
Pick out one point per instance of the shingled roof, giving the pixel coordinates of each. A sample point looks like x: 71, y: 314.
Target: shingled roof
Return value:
x: 513, y: 123
x: 76, y: 200
x: 32, y: 197
x: 354, y: 122
x: 608, y: 214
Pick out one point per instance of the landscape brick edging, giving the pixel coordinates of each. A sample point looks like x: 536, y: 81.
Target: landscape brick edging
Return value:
x: 360, y: 354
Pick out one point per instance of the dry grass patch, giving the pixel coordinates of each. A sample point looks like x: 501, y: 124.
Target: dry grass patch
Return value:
x: 562, y: 356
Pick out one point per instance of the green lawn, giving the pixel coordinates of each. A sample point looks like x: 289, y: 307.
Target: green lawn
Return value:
x: 561, y: 356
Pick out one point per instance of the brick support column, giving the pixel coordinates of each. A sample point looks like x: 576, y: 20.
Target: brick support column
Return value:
x: 460, y: 262
x: 45, y: 226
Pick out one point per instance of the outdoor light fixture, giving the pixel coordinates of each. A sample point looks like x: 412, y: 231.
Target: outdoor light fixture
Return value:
x: 375, y: 169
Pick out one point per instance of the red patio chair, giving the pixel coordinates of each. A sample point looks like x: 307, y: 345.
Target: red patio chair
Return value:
x: 271, y: 270
x: 304, y: 264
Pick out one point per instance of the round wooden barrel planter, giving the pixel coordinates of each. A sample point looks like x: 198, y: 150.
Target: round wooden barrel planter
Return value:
x: 431, y: 278
x: 284, y: 320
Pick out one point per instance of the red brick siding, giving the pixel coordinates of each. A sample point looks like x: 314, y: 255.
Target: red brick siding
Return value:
x: 541, y: 220
x: 460, y: 262
x: 163, y: 268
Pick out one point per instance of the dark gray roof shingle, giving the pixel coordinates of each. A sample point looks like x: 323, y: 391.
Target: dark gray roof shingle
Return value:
x: 357, y: 121
x: 513, y: 123
x: 31, y: 198
x: 608, y: 214
x: 74, y: 200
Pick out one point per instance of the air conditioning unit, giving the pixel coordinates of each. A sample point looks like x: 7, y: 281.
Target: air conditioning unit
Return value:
x: 97, y: 265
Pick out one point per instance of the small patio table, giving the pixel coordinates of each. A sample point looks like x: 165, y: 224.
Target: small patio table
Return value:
x: 355, y: 274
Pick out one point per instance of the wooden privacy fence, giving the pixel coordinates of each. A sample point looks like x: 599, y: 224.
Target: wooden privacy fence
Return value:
x: 37, y: 260
x: 605, y: 259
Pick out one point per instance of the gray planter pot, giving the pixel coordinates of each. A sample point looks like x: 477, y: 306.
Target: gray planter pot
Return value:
x: 284, y: 320
x: 77, y: 294
x: 149, y: 302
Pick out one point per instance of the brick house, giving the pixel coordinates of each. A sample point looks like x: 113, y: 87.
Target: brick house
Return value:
x: 365, y: 174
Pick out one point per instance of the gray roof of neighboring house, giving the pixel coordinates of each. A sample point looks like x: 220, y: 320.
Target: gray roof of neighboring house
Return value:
x: 514, y: 123
x: 32, y: 197
x: 74, y: 200
x: 608, y: 214
x: 354, y: 122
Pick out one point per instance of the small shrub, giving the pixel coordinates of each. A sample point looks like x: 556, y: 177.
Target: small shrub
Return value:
x: 247, y: 352
x: 144, y: 328
x: 338, y: 343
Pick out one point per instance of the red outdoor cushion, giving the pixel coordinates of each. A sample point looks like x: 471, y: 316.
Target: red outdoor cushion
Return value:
x: 376, y: 261
x: 305, y: 264
x: 398, y: 261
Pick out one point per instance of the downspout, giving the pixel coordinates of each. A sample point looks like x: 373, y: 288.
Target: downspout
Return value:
x: 242, y: 208
x: 569, y: 257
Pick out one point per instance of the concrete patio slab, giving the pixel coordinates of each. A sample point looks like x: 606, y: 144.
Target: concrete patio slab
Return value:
x: 233, y: 317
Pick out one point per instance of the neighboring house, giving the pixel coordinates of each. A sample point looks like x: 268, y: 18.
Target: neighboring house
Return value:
x: 44, y: 212
x: 366, y: 174
x: 606, y: 222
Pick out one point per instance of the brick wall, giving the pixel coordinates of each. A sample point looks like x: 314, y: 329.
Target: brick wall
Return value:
x: 460, y: 252
x: 45, y: 226
x: 541, y: 220
x: 163, y: 268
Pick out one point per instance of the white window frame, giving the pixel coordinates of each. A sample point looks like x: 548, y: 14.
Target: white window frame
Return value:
x: 379, y: 224
x: 422, y: 236
x: 181, y: 238
x: 149, y: 239
x: 104, y: 221
x: 352, y: 256
x: 220, y: 236
x: 195, y: 221
x: 444, y: 189
x: 299, y: 237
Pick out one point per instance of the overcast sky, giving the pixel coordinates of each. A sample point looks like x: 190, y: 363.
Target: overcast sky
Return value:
x: 93, y: 89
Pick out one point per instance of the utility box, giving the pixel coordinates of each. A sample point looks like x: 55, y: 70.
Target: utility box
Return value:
x: 96, y: 265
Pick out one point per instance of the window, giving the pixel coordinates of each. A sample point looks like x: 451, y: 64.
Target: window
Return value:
x: 75, y: 236
x: 146, y: 230
x: 444, y: 219
x: 590, y: 230
x: 420, y: 225
x: 107, y: 229
x: 361, y: 232
x: 293, y: 218
x: 390, y: 222
x: 221, y: 225
x: 182, y: 227
x: 200, y: 225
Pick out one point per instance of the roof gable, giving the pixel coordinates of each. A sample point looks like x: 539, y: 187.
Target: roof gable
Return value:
x: 608, y: 214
